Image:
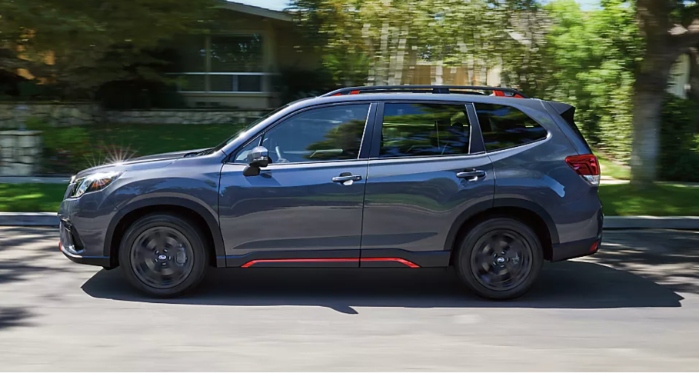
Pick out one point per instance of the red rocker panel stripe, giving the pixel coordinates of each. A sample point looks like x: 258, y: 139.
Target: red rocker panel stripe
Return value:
x: 331, y: 260
x: 399, y: 260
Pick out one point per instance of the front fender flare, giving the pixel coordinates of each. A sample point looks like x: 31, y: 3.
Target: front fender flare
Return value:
x: 207, y: 214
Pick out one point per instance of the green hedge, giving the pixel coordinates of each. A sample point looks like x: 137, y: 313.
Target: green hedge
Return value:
x: 679, y: 140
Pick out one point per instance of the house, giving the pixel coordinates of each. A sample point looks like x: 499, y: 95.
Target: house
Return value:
x: 234, y: 64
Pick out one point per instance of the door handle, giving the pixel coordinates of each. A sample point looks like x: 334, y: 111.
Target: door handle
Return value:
x: 471, y: 175
x: 346, y: 176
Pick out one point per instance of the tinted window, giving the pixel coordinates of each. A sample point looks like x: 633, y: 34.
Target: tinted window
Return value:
x: 323, y: 134
x: 242, y: 156
x: 505, y: 127
x: 424, y: 130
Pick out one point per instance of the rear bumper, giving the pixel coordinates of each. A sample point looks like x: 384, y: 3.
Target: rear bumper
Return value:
x: 589, y: 245
x: 575, y: 249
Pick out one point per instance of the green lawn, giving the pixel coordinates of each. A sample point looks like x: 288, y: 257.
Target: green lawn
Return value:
x: 31, y: 197
x: 161, y: 138
x: 660, y: 200
x: 613, y: 169
x: 618, y: 200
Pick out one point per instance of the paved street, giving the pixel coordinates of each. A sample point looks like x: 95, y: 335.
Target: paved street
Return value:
x: 634, y: 306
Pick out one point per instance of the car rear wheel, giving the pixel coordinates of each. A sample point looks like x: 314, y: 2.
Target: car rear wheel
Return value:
x: 163, y: 255
x: 499, y: 258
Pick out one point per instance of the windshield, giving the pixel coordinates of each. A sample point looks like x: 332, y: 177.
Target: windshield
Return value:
x: 245, y: 129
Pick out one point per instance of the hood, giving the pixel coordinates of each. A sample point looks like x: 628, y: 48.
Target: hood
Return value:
x: 145, y: 162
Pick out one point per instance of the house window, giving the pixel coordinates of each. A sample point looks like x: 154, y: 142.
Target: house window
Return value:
x: 221, y: 64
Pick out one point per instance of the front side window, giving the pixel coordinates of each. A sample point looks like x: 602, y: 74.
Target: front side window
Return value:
x: 424, y: 130
x: 322, y: 134
x: 505, y: 127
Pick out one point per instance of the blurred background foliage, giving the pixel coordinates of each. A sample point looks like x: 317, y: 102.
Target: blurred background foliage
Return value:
x: 554, y: 51
x: 112, y: 52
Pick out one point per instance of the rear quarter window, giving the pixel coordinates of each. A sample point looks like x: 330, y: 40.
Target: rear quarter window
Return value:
x: 506, y: 127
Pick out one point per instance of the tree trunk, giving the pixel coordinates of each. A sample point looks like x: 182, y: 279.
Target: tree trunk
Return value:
x: 649, y: 89
x: 648, y: 94
x: 646, y: 135
x: 694, y: 74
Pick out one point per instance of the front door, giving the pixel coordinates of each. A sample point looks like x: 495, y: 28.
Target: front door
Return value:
x: 305, y: 208
x: 427, y: 167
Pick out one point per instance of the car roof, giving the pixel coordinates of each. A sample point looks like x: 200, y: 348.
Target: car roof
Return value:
x: 424, y: 97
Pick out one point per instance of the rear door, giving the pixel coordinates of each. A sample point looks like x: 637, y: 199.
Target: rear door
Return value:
x: 427, y: 168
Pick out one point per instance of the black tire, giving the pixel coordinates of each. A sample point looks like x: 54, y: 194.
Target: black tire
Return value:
x: 163, y: 255
x: 499, y: 258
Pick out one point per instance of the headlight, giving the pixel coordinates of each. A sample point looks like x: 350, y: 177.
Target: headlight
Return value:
x: 94, y: 183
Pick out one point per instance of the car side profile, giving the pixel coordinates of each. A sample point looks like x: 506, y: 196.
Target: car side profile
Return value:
x: 481, y: 179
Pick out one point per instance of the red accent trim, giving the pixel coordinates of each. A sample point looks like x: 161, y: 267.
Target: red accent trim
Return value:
x: 399, y: 260
x: 594, y: 247
x: 499, y: 93
x: 354, y: 92
x: 405, y: 262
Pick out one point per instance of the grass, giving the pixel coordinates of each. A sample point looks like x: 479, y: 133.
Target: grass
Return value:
x: 31, y: 197
x: 613, y: 169
x: 618, y: 200
x: 162, y: 138
x: 658, y: 200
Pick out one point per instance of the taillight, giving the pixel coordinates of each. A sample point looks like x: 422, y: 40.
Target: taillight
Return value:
x: 585, y: 165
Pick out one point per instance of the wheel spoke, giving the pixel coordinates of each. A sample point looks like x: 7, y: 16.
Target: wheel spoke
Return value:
x: 501, y: 261
x: 154, y: 257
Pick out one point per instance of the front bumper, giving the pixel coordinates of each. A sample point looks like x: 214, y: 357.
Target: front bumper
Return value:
x: 71, y: 246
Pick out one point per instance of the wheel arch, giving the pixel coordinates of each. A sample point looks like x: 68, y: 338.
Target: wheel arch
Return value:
x: 199, y: 214
x: 525, y: 211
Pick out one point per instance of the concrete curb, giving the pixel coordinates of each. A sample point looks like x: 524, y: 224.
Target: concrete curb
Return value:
x: 29, y: 219
x: 49, y: 219
x: 651, y: 222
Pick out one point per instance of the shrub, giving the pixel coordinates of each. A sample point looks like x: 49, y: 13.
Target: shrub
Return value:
x: 136, y: 94
x: 65, y: 150
x: 679, y: 141
x: 293, y: 83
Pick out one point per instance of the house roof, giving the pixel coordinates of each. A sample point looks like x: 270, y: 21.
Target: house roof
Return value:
x: 257, y: 11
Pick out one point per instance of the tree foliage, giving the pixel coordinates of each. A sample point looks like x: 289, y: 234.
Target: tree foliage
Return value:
x: 588, y: 59
x: 82, y: 44
x: 376, y: 40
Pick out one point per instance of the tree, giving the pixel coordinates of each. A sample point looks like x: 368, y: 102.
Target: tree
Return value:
x: 587, y: 59
x: 374, y: 41
x: 82, y: 44
x: 669, y: 28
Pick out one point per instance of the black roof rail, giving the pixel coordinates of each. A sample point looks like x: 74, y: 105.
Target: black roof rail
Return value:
x: 436, y: 89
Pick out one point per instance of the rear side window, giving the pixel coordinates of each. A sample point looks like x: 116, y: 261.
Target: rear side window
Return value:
x: 421, y: 130
x: 506, y: 127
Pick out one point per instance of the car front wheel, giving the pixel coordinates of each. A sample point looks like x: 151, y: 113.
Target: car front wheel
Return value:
x: 499, y: 258
x: 163, y: 255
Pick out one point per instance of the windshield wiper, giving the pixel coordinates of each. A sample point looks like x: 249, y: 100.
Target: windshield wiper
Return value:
x: 196, y: 154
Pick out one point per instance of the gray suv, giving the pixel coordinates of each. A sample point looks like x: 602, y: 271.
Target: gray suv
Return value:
x: 479, y: 178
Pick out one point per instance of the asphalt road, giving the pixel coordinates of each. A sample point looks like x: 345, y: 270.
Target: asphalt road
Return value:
x: 634, y: 306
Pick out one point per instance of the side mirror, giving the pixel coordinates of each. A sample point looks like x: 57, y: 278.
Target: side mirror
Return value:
x: 258, y: 157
